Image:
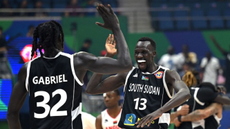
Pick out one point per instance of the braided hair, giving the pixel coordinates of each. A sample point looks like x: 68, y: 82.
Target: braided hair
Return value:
x: 47, y: 35
x: 191, y: 78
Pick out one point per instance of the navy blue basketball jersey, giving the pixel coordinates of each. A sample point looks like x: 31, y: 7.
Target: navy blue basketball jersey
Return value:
x: 55, y: 93
x: 145, y: 93
x: 194, y: 103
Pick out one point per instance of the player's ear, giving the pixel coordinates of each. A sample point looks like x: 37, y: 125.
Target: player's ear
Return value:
x: 154, y: 53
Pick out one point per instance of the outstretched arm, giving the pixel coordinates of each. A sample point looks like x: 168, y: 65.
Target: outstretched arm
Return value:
x: 95, y: 86
x: 17, y: 99
x: 217, y: 45
x: 182, y: 94
x: 199, y: 114
x: 107, y: 65
x: 222, y: 99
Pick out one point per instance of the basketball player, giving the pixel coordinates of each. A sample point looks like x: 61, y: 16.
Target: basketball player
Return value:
x: 202, y: 95
x: 54, y: 79
x: 212, y: 115
x: 148, y: 89
x: 109, y: 118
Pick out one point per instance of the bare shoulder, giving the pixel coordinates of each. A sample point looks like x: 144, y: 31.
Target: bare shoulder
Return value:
x: 23, y: 71
x: 172, y: 75
x: 83, y: 58
x: 98, y: 118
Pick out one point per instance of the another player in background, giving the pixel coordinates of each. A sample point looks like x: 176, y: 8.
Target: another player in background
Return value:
x: 109, y: 118
x: 202, y: 105
x: 54, y: 80
x: 148, y: 89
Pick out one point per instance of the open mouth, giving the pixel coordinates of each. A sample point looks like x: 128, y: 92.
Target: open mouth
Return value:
x: 141, y: 63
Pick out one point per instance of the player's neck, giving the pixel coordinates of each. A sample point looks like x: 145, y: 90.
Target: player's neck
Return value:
x: 51, y: 53
x: 114, y: 111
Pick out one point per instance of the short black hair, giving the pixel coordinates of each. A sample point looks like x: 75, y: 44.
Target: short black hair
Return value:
x: 89, y: 41
x: 153, y: 43
x: 1, y: 28
x: 46, y: 35
x: 117, y: 92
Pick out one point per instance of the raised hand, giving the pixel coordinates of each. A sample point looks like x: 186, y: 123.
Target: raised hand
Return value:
x: 110, y: 46
x: 110, y: 19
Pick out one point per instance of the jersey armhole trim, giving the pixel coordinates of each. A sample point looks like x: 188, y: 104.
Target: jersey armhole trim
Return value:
x: 73, y: 71
x: 195, y: 96
x: 27, y: 76
x: 165, y: 85
x: 127, y: 77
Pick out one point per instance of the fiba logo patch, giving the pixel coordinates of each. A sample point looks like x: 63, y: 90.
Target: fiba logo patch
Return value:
x: 130, y: 119
x: 159, y: 74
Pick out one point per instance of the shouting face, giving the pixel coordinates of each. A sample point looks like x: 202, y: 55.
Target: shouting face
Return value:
x: 144, y: 55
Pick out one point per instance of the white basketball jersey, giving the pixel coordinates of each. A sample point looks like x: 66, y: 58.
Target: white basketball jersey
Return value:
x: 108, y: 122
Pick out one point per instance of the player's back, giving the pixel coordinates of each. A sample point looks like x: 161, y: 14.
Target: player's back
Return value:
x: 194, y: 103
x: 55, y: 93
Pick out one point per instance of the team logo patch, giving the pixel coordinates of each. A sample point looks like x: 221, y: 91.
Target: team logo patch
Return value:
x: 130, y: 119
x: 159, y: 74
x: 145, y: 78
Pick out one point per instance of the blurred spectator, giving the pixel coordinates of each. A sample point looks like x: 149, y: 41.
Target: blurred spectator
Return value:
x: 168, y: 59
x: 187, y: 57
x: 86, y: 45
x: 23, y: 5
x: 210, y: 67
x: 91, y: 6
x: 5, y: 4
x: 38, y: 5
x: 30, y: 31
x: 5, y: 72
x: 185, y: 67
x: 73, y: 5
x: 227, y: 63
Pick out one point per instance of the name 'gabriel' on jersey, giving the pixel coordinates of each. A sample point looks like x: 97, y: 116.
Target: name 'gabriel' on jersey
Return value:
x: 55, y: 93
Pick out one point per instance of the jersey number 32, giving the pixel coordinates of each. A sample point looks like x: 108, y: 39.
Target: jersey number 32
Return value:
x: 53, y: 111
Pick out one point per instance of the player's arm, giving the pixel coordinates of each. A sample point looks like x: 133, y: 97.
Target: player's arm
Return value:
x: 96, y: 86
x: 107, y: 65
x: 98, y: 122
x: 182, y: 94
x: 199, y: 114
x: 217, y: 45
x: 17, y: 99
x: 222, y: 99
x: 184, y: 110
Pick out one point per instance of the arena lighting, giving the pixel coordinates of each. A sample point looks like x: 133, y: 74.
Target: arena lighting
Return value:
x: 26, y: 53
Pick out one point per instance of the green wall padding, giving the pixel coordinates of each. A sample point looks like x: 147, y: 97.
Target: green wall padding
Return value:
x: 5, y: 24
x: 161, y: 42
x: 86, y: 28
x: 222, y: 37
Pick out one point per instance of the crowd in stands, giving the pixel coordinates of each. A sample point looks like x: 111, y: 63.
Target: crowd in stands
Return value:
x: 190, y: 14
x: 52, y: 4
